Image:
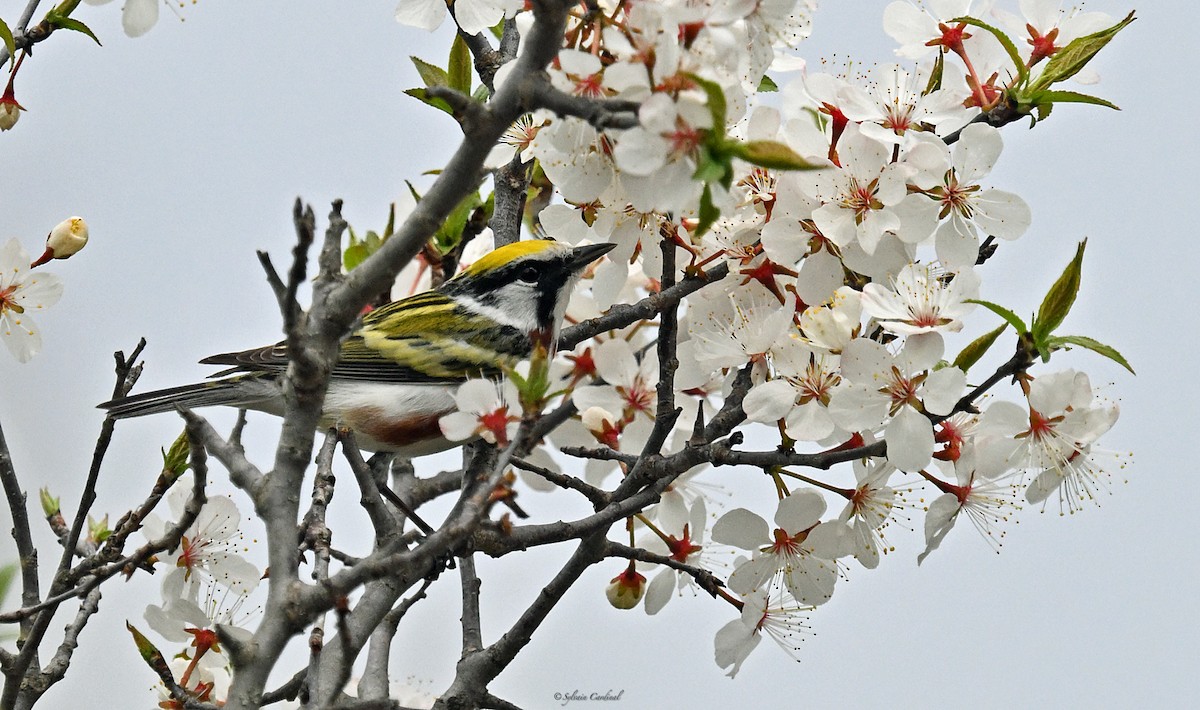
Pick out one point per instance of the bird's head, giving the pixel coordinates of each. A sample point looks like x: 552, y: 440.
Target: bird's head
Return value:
x: 525, y: 284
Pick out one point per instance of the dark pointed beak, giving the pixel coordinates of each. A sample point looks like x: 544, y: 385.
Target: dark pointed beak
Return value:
x: 584, y: 255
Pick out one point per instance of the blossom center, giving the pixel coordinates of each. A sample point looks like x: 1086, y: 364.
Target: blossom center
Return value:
x: 861, y: 199
x: 787, y: 544
x: 8, y: 303
x: 496, y: 421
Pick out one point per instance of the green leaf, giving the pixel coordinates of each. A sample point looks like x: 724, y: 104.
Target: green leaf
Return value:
x: 1065, y: 341
x: 460, y: 66
x: 423, y: 96
x: 98, y: 530
x: 1070, y: 97
x: 1059, y: 298
x: 412, y: 190
x: 354, y: 255
x: 1043, y: 112
x: 1003, y: 312
x: 390, y: 229
x: 771, y: 154
x: 708, y: 211
x: 175, y: 459
x: 9, y: 43
x: 716, y: 102
x: 50, y: 505
x: 148, y: 651
x: 431, y: 74
x: 767, y: 85
x: 450, y: 233
x: 935, y: 76
x: 711, y: 166
x: 7, y: 573
x: 1013, y: 55
x: 1067, y: 61
x: 973, y: 352
x: 70, y: 23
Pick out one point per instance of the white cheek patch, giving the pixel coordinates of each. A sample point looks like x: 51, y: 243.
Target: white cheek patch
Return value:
x: 520, y: 312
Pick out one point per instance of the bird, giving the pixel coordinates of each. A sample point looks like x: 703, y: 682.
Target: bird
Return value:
x: 397, y: 373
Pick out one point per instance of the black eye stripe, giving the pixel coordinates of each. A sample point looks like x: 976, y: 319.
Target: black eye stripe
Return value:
x: 538, y: 271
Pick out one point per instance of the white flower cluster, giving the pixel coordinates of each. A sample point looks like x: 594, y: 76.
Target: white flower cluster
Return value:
x: 207, y: 583
x: 842, y: 281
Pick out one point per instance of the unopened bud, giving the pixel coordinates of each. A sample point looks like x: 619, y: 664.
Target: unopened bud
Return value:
x: 603, y: 426
x: 50, y: 504
x: 626, y: 589
x: 98, y: 530
x: 67, y: 237
x: 149, y: 653
x: 596, y: 418
x: 10, y: 110
x: 175, y: 459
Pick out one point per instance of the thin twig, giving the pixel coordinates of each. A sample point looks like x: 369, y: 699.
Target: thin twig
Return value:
x: 21, y: 532
x: 597, y: 497
x: 472, y: 632
x: 706, y: 580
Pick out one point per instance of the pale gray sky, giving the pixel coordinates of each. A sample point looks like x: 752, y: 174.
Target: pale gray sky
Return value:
x: 185, y: 148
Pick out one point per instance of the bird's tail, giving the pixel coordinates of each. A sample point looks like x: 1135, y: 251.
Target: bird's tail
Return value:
x: 242, y: 391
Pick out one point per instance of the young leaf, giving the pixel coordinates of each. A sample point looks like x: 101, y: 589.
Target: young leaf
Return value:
x: 9, y: 43
x: 711, y: 167
x: 390, y: 229
x: 431, y: 74
x: 973, y: 352
x: 149, y: 652
x: 70, y: 23
x: 716, y: 103
x: 767, y: 85
x: 1003, y: 312
x: 176, y: 459
x: 1071, y: 97
x: 354, y: 255
x: 1043, y: 112
x: 460, y: 66
x: 1059, y: 298
x: 423, y: 96
x: 935, y: 76
x: 1065, y: 341
x: 1067, y: 61
x: 708, y: 211
x: 1013, y: 55
x: 771, y: 154
x: 51, y: 506
x: 7, y: 573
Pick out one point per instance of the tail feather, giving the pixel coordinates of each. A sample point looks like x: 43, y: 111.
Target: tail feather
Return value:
x: 244, y: 391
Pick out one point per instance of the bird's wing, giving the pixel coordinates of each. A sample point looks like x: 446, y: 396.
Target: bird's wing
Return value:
x: 426, y: 338
x: 436, y: 336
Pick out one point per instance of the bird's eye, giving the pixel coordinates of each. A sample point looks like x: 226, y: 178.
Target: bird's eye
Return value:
x: 529, y: 275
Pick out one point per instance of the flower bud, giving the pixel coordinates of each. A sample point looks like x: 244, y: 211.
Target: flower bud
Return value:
x: 67, y: 237
x: 10, y: 110
x: 603, y: 425
x: 626, y: 589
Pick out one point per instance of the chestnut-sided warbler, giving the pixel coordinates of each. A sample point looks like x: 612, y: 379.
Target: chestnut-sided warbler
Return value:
x: 396, y: 374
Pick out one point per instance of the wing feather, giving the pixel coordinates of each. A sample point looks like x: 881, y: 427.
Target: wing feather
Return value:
x: 426, y: 338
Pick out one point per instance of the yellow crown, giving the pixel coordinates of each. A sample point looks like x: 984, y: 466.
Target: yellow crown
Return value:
x: 503, y: 255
